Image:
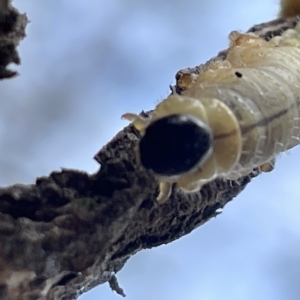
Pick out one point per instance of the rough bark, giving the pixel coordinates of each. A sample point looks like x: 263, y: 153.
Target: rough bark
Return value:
x: 12, y: 30
x: 71, y: 231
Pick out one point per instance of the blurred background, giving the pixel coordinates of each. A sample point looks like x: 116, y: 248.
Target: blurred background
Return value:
x: 84, y: 64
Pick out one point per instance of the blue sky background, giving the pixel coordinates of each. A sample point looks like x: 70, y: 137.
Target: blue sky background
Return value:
x: 85, y: 63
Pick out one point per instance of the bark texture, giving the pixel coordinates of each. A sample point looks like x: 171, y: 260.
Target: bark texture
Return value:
x: 12, y: 31
x: 71, y: 231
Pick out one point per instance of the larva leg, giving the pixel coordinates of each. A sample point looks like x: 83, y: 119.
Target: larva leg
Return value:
x: 190, y: 187
x: 165, y: 189
x: 185, y: 80
x: 259, y: 149
x: 246, y: 40
x: 267, y: 166
x: 296, y: 131
x: 138, y: 122
x: 236, y: 175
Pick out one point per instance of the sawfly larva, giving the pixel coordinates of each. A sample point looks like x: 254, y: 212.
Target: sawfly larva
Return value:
x: 236, y: 115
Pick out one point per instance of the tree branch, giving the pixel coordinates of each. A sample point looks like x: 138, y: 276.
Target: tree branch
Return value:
x: 12, y: 31
x: 71, y: 231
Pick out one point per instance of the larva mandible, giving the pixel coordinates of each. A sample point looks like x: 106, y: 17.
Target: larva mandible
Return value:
x: 237, y: 115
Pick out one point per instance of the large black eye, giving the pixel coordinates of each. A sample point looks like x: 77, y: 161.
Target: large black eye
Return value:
x: 174, y: 144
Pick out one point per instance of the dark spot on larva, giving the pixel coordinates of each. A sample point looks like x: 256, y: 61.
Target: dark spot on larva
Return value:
x: 238, y: 74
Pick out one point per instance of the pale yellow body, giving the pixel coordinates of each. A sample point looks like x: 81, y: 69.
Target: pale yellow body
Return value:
x: 251, y: 102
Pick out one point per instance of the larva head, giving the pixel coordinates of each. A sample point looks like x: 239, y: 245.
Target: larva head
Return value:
x: 188, y: 141
x: 175, y: 144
